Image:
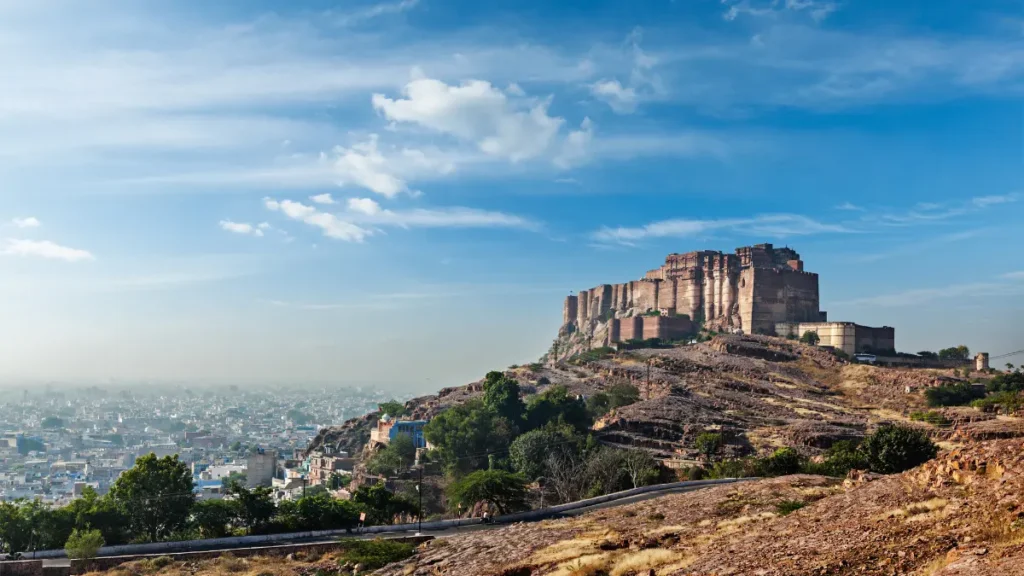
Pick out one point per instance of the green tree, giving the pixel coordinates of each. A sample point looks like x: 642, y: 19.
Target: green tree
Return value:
x: 504, y: 490
x: 84, y: 544
x: 397, y: 456
x: 101, y: 513
x: 382, y: 505
x: 255, y: 507
x: 15, y: 531
x: 893, y: 448
x: 392, y: 408
x: 960, y: 352
x: 234, y: 477
x: 782, y: 462
x: 336, y: 481
x: 952, y: 395
x: 464, y: 435
x: 322, y: 512
x: 556, y: 405
x: 213, y: 518
x: 616, y: 396
x: 501, y: 394
x: 155, y: 496
x: 810, y: 337
x: 708, y: 444
x: 530, y: 452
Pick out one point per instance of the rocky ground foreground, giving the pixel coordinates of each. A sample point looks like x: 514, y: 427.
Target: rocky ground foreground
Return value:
x: 960, y: 514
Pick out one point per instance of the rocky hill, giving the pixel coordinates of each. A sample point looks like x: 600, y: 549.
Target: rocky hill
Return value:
x: 761, y: 392
x: 960, y: 514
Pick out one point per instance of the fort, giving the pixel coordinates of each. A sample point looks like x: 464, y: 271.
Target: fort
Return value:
x: 758, y: 289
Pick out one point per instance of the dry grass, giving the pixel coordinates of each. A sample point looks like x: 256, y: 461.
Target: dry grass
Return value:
x: 585, y: 544
x: 644, y: 560
x: 589, y: 565
x: 664, y: 530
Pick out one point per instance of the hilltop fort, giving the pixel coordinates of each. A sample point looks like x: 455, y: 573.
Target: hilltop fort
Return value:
x: 759, y: 289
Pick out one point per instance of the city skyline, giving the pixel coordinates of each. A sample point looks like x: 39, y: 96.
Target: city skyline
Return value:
x: 404, y: 192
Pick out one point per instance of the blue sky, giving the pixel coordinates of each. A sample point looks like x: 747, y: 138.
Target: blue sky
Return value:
x: 402, y: 193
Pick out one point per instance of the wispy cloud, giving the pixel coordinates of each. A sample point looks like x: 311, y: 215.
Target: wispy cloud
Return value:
x: 922, y: 246
x: 324, y: 198
x: 765, y: 225
x: 364, y: 217
x: 817, y: 10
x: 921, y: 296
x: 44, y: 249
x: 370, y: 12
x: 27, y: 222
x: 242, y: 228
x: 850, y: 207
x: 1019, y: 275
x: 927, y: 212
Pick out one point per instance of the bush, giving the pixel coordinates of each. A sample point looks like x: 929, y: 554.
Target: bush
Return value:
x: 1009, y: 401
x: 374, y: 554
x: 789, y: 506
x: 932, y: 417
x: 83, y: 544
x: 1006, y: 383
x: 708, y: 444
x: 810, y: 337
x: 782, y: 462
x: 737, y: 468
x: 506, y: 491
x: 952, y: 395
x: 894, y: 448
x: 842, y: 457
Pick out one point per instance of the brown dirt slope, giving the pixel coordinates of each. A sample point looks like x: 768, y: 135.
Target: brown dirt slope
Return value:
x: 960, y: 514
x: 762, y: 392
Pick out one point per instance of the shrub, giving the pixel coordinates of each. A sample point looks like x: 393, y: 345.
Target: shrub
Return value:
x: 782, y: 462
x: 810, y: 337
x: 933, y: 417
x: 738, y: 468
x: 895, y: 448
x: 789, y: 506
x: 708, y: 444
x: 1006, y: 383
x: 842, y: 457
x: 952, y: 395
x: 83, y: 544
x: 374, y: 554
x: 1009, y: 401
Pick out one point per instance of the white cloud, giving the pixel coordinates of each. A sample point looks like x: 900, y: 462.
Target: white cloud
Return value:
x: 850, y: 207
x: 324, y: 198
x: 372, y: 11
x: 576, y: 148
x: 264, y: 226
x: 329, y: 224
x: 770, y: 225
x: 621, y: 99
x: 994, y: 200
x: 475, y: 111
x: 817, y: 10
x: 387, y: 171
x: 241, y: 228
x: 363, y: 214
x: 1014, y: 275
x: 28, y: 222
x: 363, y: 206
x: 44, y: 249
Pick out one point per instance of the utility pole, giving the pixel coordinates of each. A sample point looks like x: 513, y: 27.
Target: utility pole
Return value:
x: 419, y: 488
x: 649, y: 360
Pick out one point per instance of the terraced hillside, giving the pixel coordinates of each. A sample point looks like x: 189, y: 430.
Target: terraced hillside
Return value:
x: 761, y: 392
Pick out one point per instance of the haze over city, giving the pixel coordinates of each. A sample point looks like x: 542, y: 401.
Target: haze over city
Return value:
x: 403, y: 193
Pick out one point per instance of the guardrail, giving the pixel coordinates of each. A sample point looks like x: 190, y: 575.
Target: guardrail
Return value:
x: 270, y: 539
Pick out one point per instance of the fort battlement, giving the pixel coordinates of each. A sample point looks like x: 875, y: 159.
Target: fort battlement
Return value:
x: 751, y: 290
x: 757, y: 289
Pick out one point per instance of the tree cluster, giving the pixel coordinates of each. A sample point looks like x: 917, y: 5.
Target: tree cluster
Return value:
x: 154, y: 501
